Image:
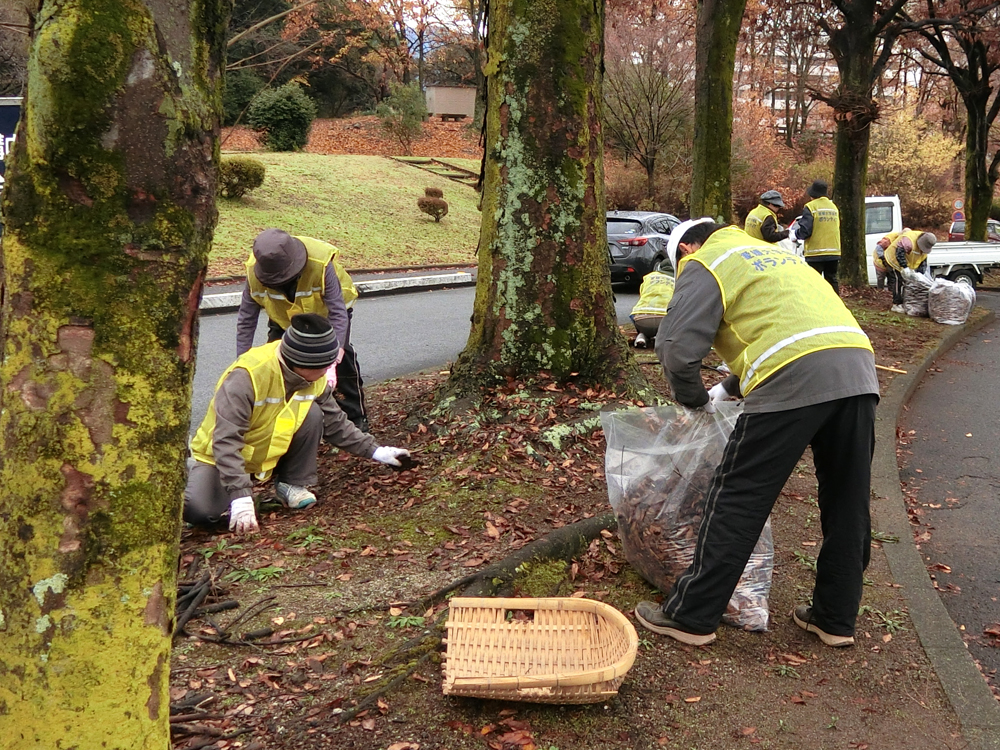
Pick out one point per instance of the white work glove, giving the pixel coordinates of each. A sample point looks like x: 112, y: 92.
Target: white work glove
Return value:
x: 390, y: 456
x: 708, y: 407
x: 331, y: 375
x: 242, y: 518
x: 718, y: 393
x: 791, y: 235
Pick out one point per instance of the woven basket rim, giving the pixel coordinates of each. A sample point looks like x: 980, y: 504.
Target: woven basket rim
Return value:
x: 591, y: 676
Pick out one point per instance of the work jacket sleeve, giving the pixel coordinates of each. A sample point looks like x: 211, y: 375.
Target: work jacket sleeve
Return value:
x: 333, y: 298
x: 338, y: 430
x: 770, y: 232
x: 687, y: 331
x: 233, y: 407
x: 804, y: 229
x: 246, y: 322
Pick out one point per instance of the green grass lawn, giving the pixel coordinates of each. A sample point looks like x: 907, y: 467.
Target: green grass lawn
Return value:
x: 365, y: 205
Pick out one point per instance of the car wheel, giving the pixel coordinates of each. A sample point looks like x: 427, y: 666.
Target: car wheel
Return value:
x: 964, y: 276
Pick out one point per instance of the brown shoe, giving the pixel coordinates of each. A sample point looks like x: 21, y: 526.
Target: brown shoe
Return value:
x: 650, y: 614
x: 803, y: 616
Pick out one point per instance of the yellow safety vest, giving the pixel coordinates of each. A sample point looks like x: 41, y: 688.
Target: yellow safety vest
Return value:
x: 776, y: 308
x: 273, y: 421
x: 309, y: 288
x: 913, y: 258
x: 756, y: 218
x: 654, y: 294
x: 825, y: 237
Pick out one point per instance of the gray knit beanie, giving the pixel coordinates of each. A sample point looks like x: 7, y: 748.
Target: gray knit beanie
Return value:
x: 310, y: 342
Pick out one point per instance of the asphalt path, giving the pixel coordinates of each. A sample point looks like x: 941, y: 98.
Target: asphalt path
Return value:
x: 394, y: 335
x: 954, y: 473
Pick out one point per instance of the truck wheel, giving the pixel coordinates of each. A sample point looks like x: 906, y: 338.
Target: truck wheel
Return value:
x: 964, y: 276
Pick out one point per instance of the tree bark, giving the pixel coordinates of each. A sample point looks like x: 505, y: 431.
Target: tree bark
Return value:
x: 543, y: 299
x: 718, y: 31
x: 109, y: 208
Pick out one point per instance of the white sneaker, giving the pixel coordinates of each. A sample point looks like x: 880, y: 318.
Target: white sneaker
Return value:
x: 294, y: 497
x: 640, y: 341
x: 898, y: 309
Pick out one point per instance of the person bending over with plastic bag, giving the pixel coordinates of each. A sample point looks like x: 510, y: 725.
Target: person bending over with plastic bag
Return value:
x: 270, y: 410
x: 806, y: 371
x: 898, y: 250
x: 654, y: 296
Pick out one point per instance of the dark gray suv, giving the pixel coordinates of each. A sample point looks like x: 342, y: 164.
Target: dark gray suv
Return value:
x: 638, y: 242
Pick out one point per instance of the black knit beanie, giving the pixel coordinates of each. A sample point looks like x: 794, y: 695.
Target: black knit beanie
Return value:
x: 309, y: 342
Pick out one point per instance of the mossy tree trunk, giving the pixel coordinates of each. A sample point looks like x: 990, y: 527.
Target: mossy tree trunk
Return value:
x: 717, y: 33
x: 543, y: 298
x: 109, y: 209
x: 853, y: 45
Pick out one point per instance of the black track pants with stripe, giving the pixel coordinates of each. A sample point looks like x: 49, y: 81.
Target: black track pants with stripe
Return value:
x: 761, y: 454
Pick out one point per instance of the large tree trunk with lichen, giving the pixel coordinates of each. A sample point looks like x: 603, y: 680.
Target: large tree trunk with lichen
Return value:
x: 854, y: 110
x: 717, y: 33
x: 543, y: 298
x: 109, y: 208
x: 980, y: 178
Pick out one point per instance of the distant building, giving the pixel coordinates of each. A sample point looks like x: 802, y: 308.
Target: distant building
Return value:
x: 451, y: 102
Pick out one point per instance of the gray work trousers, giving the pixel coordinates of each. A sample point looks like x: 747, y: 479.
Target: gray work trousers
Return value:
x: 206, y: 500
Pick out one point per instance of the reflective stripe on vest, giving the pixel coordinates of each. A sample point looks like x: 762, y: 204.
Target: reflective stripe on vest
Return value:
x: 273, y: 421
x: 776, y: 308
x: 347, y: 287
x: 309, y: 289
x: 755, y: 219
x: 654, y: 295
x: 825, y: 237
x: 914, y: 258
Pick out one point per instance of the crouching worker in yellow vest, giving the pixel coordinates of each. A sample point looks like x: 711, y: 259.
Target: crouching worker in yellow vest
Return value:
x: 268, y: 414
x: 654, y: 296
x: 899, y: 250
x: 806, y: 372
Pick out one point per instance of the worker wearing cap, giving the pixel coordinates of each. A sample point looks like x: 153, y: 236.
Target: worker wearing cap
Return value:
x: 287, y: 275
x: 898, y: 250
x: 762, y: 222
x: 268, y: 414
x: 806, y: 372
x: 819, y: 227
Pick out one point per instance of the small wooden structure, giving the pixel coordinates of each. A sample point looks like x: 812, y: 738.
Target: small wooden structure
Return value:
x: 451, y: 102
x: 566, y: 651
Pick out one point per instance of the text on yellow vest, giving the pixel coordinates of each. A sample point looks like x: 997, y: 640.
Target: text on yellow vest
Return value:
x: 776, y: 308
x: 655, y: 293
x: 273, y: 420
x: 825, y: 237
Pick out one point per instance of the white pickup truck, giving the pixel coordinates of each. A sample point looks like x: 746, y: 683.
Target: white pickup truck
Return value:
x: 958, y: 261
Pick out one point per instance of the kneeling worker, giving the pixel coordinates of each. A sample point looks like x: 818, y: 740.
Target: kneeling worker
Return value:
x: 806, y: 371
x: 654, y: 297
x: 268, y: 414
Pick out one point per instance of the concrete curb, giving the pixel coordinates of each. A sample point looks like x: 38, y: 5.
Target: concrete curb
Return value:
x: 230, y: 301
x: 978, y: 712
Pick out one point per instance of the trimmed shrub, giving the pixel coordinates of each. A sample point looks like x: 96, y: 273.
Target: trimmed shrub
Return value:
x: 433, y: 203
x: 239, y: 175
x: 283, y: 116
x: 402, y: 114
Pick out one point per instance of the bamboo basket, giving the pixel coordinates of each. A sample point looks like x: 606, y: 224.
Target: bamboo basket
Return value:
x: 572, y: 651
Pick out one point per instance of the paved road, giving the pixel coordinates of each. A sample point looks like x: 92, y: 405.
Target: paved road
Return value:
x: 394, y: 335
x: 954, y: 473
